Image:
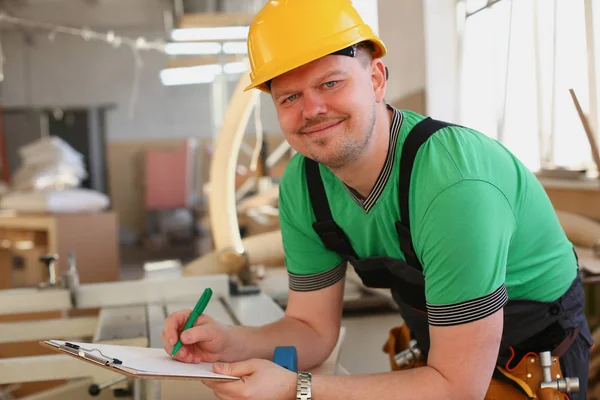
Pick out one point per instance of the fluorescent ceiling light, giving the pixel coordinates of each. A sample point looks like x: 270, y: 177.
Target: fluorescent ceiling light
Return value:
x: 199, y: 74
x: 216, y: 33
x: 235, y: 48
x: 190, y: 75
x: 193, y: 48
x: 205, y: 48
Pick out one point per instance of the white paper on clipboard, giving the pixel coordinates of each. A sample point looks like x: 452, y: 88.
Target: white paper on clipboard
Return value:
x: 138, y: 361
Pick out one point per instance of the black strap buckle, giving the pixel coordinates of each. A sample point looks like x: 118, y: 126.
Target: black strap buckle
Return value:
x: 334, y: 238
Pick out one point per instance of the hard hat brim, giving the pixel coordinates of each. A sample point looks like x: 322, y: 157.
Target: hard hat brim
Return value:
x: 337, y: 42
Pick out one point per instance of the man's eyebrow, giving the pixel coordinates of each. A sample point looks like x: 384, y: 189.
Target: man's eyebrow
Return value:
x: 329, y: 74
x: 321, y: 78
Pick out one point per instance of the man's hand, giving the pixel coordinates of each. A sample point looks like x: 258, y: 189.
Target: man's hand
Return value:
x: 260, y: 380
x: 206, y: 341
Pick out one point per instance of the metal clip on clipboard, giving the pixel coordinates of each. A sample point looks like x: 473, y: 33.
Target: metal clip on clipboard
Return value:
x: 88, y: 354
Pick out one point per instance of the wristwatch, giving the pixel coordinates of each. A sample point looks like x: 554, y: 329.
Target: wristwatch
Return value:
x: 303, y: 387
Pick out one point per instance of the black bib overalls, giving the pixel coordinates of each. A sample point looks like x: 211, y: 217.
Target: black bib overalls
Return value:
x: 528, y: 325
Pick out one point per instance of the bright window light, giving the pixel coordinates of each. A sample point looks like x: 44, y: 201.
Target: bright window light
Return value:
x: 193, y: 48
x: 235, y: 68
x: 556, y: 138
x: 216, y: 33
x: 190, y: 75
x: 235, y: 48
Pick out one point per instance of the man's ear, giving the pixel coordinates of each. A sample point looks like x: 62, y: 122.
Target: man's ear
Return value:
x: 379, y: 73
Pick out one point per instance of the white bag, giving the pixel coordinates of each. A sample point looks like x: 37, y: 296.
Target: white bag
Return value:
x: 50, y: 147
x: 56, y: 201
x: 47, y: 177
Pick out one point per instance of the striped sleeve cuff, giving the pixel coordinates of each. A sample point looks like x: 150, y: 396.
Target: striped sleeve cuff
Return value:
x: 467, y: 311
x: 308, y: 283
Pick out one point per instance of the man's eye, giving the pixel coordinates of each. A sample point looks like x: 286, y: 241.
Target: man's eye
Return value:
x: 330, y: 84
x: 290, y: 98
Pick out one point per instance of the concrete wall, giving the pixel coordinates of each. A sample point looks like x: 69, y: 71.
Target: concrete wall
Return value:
x: 71, y: 71
x: 402, y: 30
x: 441, y: 47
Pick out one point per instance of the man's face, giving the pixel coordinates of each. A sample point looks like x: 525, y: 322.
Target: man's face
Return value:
x: 326, y: 109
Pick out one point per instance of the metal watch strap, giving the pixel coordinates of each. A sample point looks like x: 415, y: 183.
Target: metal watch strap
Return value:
x: 303, y: 388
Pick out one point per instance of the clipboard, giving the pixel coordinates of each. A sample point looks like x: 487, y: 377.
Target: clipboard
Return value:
x: 135, y: 362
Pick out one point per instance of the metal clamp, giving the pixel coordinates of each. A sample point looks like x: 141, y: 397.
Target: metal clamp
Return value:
x: 49, y: 261
x: 409, y: 355
x: 70, y: 279
x: 563, y: 385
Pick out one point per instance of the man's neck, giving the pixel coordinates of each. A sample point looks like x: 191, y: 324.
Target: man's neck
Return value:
x: 362, y: 174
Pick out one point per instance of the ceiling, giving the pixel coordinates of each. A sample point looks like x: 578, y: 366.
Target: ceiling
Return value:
x: 94, y: 14
x: 122, y: 14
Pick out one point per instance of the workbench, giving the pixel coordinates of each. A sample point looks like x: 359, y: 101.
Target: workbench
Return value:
x: 91, y: 237
x: 579, y: 196
x: 131, y: 313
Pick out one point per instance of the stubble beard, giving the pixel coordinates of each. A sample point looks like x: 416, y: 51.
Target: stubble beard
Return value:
x: 349, y: 149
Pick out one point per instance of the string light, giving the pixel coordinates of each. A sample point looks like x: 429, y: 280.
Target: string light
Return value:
x: 87, y: 34
x: 136, y: 45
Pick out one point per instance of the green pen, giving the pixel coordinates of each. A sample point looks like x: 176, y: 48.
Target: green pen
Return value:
x: 196, y: 312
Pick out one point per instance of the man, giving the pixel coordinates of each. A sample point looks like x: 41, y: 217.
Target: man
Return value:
x: 458, y: 229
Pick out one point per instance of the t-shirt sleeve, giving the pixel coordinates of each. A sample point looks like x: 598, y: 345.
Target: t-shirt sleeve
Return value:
x: 463, y: 243
x: 311, y: 266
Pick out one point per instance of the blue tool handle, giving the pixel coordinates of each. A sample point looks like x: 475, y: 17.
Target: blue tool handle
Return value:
x: 287, y: 357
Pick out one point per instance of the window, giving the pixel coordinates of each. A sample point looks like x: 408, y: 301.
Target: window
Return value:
x: 517, y: 92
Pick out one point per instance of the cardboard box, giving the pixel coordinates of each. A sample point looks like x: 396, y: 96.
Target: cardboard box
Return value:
x: 26, y: 268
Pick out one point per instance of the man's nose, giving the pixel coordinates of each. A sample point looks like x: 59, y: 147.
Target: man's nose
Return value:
x: 313, y: 105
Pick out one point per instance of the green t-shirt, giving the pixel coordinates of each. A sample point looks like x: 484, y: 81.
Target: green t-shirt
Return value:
x: 482, y: 225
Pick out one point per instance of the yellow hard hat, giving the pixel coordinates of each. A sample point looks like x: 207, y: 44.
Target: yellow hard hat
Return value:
x: 286, y: 34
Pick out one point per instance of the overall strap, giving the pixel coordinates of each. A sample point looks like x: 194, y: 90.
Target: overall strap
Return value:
x: 331, y: 234
x: 416, y: 137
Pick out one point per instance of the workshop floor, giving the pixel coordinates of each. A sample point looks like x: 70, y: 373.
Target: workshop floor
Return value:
x: 366, y: 332
x: 365, y: 336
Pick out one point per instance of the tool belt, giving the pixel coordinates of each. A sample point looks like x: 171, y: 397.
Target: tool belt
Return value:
x: 531, y: 376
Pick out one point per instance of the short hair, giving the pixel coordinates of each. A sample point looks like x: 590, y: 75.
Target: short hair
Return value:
x: 364, y: 51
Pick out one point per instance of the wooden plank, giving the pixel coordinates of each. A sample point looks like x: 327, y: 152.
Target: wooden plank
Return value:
x: 19, y: 301
x: 40, y: 222
x: 48, y: 368
x: 591, y: 136
x: 34, y: 316
x: 223, y: 215
x: 584, y: 202
x: 587, y: 260
x: 48, y: 329
x: 141, y: 292
x: 206, y: 20
x: 584, y: 184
